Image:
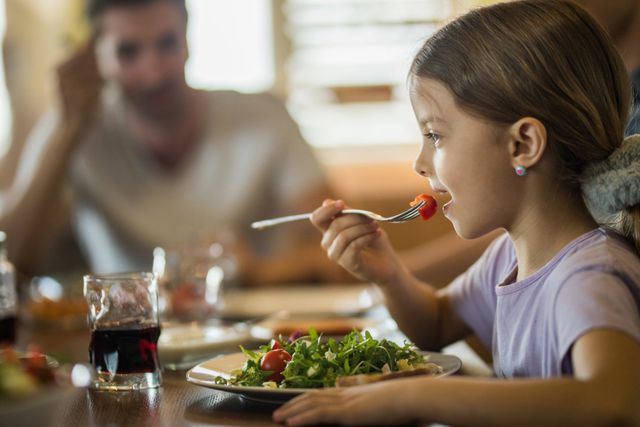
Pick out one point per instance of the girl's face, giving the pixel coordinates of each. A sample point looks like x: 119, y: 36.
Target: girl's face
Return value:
x: 466, y: 157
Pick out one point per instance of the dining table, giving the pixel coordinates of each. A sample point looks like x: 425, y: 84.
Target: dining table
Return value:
x: 176, y: 403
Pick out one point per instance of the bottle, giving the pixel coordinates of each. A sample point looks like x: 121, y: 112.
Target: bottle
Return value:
x: 8, y: 296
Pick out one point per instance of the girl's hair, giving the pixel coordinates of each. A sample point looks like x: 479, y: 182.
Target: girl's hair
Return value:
x: 547, y: 59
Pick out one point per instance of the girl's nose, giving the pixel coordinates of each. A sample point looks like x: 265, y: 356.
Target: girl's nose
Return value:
x: 422, y: 164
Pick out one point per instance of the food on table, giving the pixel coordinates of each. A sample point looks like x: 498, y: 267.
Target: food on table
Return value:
x: 430, y: 207
x: 47, y: 309
x: 275, y: 344
x: 22, y: 374
x: 295, y: 335
x: 275, y: 360
x: 329, y: 326
x: 360, y: 379
x: 312, y: 362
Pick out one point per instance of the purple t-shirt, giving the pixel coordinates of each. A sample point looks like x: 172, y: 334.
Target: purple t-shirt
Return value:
x: 531, y: 325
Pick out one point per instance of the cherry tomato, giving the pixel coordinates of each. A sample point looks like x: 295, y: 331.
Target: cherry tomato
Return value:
x: 430, y: 207
x: 275, y: 344
x: 276, y: 361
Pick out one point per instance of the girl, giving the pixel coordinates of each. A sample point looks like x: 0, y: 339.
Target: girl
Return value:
x: 521, y: 105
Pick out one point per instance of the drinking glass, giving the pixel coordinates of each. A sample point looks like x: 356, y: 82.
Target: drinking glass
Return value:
x: 123, y: 318
x: 8, y: 297
x: 191, y: 281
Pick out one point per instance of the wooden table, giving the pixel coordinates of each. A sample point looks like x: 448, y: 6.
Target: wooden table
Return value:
x: 176, y: 403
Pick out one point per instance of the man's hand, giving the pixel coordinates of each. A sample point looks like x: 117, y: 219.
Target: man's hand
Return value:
x: 79, y: 86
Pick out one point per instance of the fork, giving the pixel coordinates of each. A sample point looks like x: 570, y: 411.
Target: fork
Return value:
x: 411, y: 213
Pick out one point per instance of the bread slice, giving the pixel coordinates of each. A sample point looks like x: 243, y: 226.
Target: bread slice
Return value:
x: 351, y: 380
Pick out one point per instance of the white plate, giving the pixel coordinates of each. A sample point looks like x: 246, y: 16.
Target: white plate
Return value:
x: 183, y: 345
x: 205, y: 373
x: 346, y: 300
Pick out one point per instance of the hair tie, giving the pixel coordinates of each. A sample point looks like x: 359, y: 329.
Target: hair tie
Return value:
x: 613, y: 184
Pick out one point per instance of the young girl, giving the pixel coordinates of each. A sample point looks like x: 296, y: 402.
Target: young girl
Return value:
x: 521, y: 105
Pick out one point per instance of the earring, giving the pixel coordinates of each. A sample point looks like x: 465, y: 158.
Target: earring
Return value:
x: 521, y: 170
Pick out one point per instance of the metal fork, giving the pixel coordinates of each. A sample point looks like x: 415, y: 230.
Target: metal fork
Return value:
x: 411, y: 213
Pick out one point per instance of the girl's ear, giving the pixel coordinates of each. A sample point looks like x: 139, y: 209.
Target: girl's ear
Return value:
x: 527, y: 142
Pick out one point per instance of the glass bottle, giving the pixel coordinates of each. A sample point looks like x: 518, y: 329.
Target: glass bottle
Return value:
x: 8, y: 296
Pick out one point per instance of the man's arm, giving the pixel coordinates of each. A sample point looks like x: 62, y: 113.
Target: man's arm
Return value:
x: 33, y: 207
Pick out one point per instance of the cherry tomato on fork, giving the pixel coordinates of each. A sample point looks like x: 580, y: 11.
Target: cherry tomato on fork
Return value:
x: 430, y: 207
x: 275, y: 361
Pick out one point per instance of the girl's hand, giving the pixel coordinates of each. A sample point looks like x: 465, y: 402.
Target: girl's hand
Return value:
x: 356, y: 243
x: 380, y: 403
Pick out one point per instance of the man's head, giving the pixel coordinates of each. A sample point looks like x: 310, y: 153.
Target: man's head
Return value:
x: 95, y: 8
x: 141, y: 45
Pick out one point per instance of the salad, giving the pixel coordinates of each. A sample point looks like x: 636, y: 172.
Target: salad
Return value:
x: 22, y: 374
x: 309, y: 361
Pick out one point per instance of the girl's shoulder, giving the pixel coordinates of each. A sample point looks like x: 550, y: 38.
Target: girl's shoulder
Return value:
x: 603, y: 251
x: 497, y: 261
x: 604, y: 247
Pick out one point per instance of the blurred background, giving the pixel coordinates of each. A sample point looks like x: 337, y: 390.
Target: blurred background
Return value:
x: 340, y: 66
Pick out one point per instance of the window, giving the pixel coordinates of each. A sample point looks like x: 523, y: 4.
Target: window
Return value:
x: 340, y: 64
x: 231, y: 45
x: 347, y: 67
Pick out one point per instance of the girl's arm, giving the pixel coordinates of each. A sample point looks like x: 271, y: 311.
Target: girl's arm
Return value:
x: 34, y: 208
x: 422, y: 313
x: 605, y: 390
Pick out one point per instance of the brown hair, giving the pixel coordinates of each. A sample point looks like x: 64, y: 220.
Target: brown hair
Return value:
x: 96, y: 8
x: 547, y: 59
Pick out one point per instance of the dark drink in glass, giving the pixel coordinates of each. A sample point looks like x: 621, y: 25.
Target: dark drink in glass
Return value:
x: 124, y: 324
x: 132, y: 350
x: 8, y: 327
x: 8, y: 296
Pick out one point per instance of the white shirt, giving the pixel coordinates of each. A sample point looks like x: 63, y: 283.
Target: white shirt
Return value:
x: 251, y: 163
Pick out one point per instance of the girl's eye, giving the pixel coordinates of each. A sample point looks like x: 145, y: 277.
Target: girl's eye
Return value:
x: 433, y: 137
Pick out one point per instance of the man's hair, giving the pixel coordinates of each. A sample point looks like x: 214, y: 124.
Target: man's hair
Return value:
x: 95, y: 8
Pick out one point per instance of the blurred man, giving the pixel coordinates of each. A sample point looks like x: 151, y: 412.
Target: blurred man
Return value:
x: 134, y: 158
